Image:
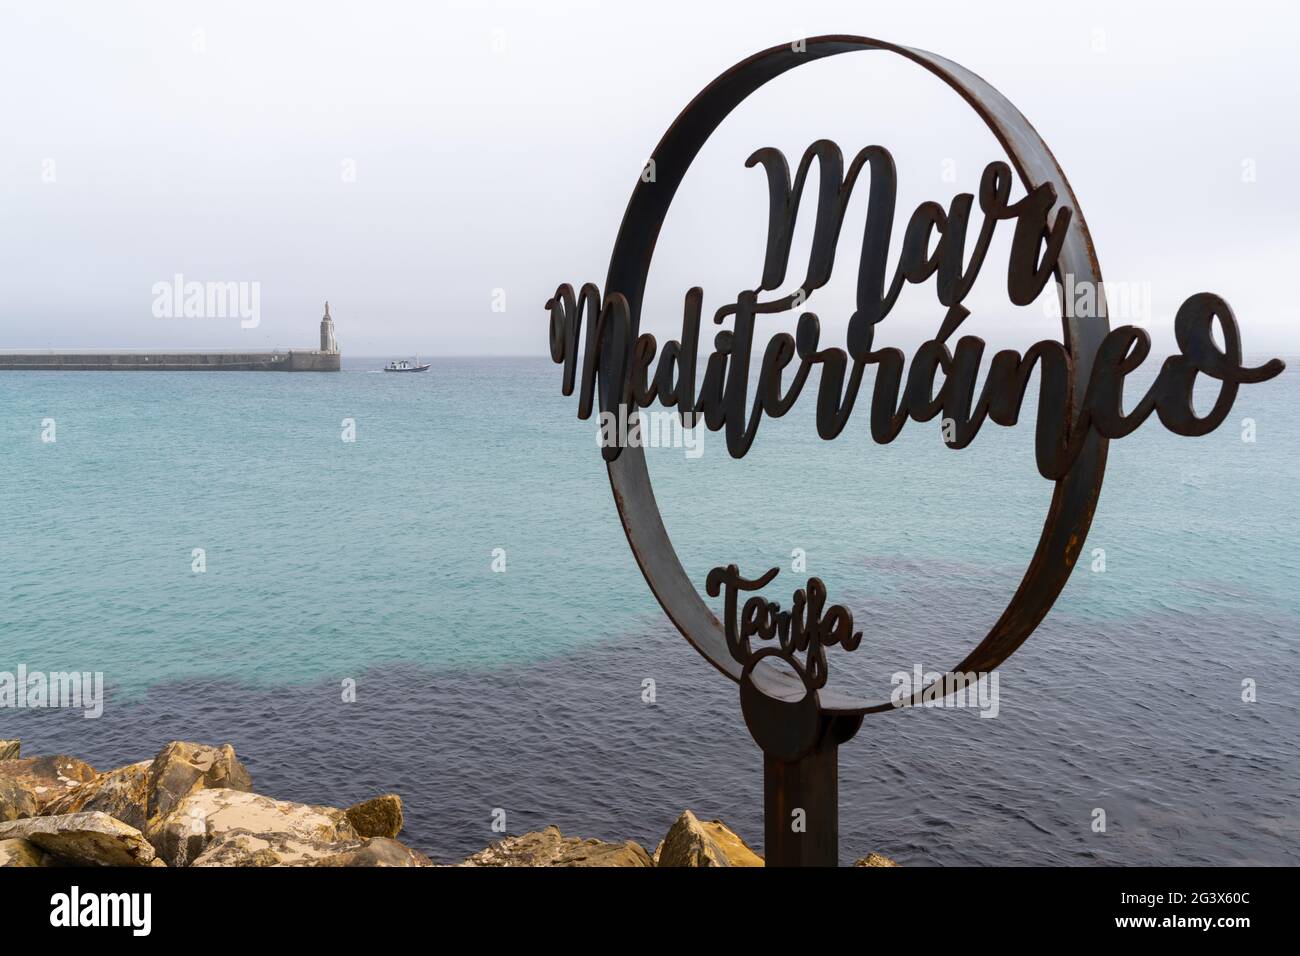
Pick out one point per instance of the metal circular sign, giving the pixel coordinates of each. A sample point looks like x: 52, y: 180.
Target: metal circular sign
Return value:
x: 793, y: 715
x: 1075, y: 496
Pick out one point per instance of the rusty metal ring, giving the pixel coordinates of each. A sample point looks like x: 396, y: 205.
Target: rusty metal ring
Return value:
x: 1075, y: 496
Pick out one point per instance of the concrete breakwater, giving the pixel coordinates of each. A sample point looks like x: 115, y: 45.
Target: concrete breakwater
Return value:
x: 291, y: 361
x: 324, y: 359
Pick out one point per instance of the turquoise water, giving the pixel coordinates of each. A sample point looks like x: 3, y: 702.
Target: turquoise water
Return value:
x: 322, y: 556
x: 325, y: 556
x: 328, y: 559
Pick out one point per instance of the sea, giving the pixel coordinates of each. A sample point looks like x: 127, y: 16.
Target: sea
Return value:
x: 419, y: 583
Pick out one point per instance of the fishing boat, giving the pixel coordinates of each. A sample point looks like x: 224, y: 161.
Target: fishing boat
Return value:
x: 405, y: 366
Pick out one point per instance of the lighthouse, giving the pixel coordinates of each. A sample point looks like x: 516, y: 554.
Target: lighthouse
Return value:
x: 327, y: 340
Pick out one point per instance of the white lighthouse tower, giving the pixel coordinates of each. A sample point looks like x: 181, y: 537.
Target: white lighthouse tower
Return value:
x: 327, y: 341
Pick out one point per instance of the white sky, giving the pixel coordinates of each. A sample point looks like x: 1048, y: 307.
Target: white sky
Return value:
x: 495, y: 146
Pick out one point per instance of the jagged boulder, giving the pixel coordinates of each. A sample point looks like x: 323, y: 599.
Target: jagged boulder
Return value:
x: 182, y: 768
x: 875, y: 859
x: 20, y: 852
x: 204, y: 816
x: 9, y: 749
x: 84, y: 839
x: 691, y: 842
x: 28, y: 784
x: 377, y: 817
x: 141, y: 794
x: 122, y: 793
x: 16, y: 802
x: 241, y: 848
x: 377, y: 851
x: 550, y: 848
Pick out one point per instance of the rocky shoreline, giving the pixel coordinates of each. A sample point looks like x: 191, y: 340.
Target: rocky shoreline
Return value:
x: 194, y: 805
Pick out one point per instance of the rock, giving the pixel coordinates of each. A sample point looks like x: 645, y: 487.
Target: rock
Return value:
x: 122, y: 794
x: 182, y: 768
x: 550, y: 848
x: 140, y: 794
x: 875, y: 859
x: 241, y: 848
x: 84, y: 839
x: 9, y: 749
x: 27, y: 785
x: 379, y: 851
x: 692, y: 843
x: 203, y: 816
x: 20, y: 852
x: 378, y: 817
x: 16, y: 802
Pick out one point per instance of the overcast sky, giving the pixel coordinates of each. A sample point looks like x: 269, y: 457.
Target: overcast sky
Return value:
x: 406, y: 161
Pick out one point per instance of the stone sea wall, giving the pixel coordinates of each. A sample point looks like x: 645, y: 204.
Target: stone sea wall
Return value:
x: 194, y: 805
x: 292, y: 361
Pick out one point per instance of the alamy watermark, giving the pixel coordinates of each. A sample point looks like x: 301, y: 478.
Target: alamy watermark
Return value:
x: 957, y: 689
x: 74, y: 908
x: 26, y: 689
x: 1128, y: 303
x: 179, y: 299
x: 658, y: 428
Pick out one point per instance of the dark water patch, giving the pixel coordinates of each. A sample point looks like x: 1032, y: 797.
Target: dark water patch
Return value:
x: 1185, y: 771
